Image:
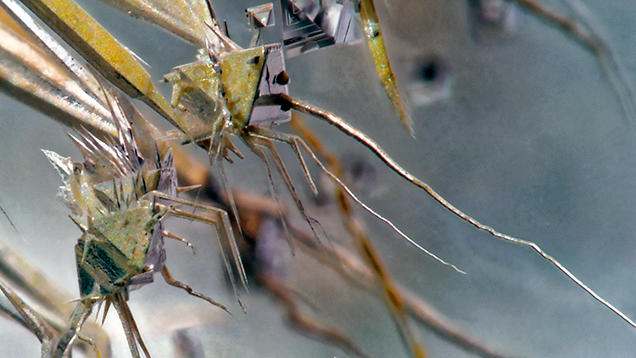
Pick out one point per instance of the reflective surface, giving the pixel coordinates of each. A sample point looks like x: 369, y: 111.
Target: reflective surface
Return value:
x: 522, y: 133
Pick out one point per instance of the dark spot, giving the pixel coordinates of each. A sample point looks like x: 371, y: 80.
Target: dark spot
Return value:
x: 429, y: 71
x: 255, y: 60
x: 361, y: 168
x: 281, y: 78
x: 430, y: 75
x: 285, y: 105
x: 376, y: 33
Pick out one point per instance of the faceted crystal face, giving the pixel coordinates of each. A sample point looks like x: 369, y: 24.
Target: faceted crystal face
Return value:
x: 308, y: 27
x: 531, y: 136
x: 260, y: 16
x: 274, y: 80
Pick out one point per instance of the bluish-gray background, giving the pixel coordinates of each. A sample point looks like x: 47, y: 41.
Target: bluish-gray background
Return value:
x: 527, y: 137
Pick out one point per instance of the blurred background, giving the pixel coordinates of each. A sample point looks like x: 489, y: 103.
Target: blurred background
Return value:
x: 515, y: 124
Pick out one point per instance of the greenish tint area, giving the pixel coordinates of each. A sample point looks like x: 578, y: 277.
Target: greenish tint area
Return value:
x: 117, y: 248
x: 125, y: 230
x: 240, y: 75
x: 195, y: 93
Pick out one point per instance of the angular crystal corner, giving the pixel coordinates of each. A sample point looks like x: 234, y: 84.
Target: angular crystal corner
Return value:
x: 260, y: 16
x: 307, y: 26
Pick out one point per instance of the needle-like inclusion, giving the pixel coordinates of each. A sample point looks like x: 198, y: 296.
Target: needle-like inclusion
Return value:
x: 45, y: 83
x: 308, y: 26
x: 48, y: 312
x: 118, y: 196
x: 118, y: 199
x: 33, y: 321
x: 78, y: 28
x: 375, y: 40
x: 291, y: 103
x: 213, y: 97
